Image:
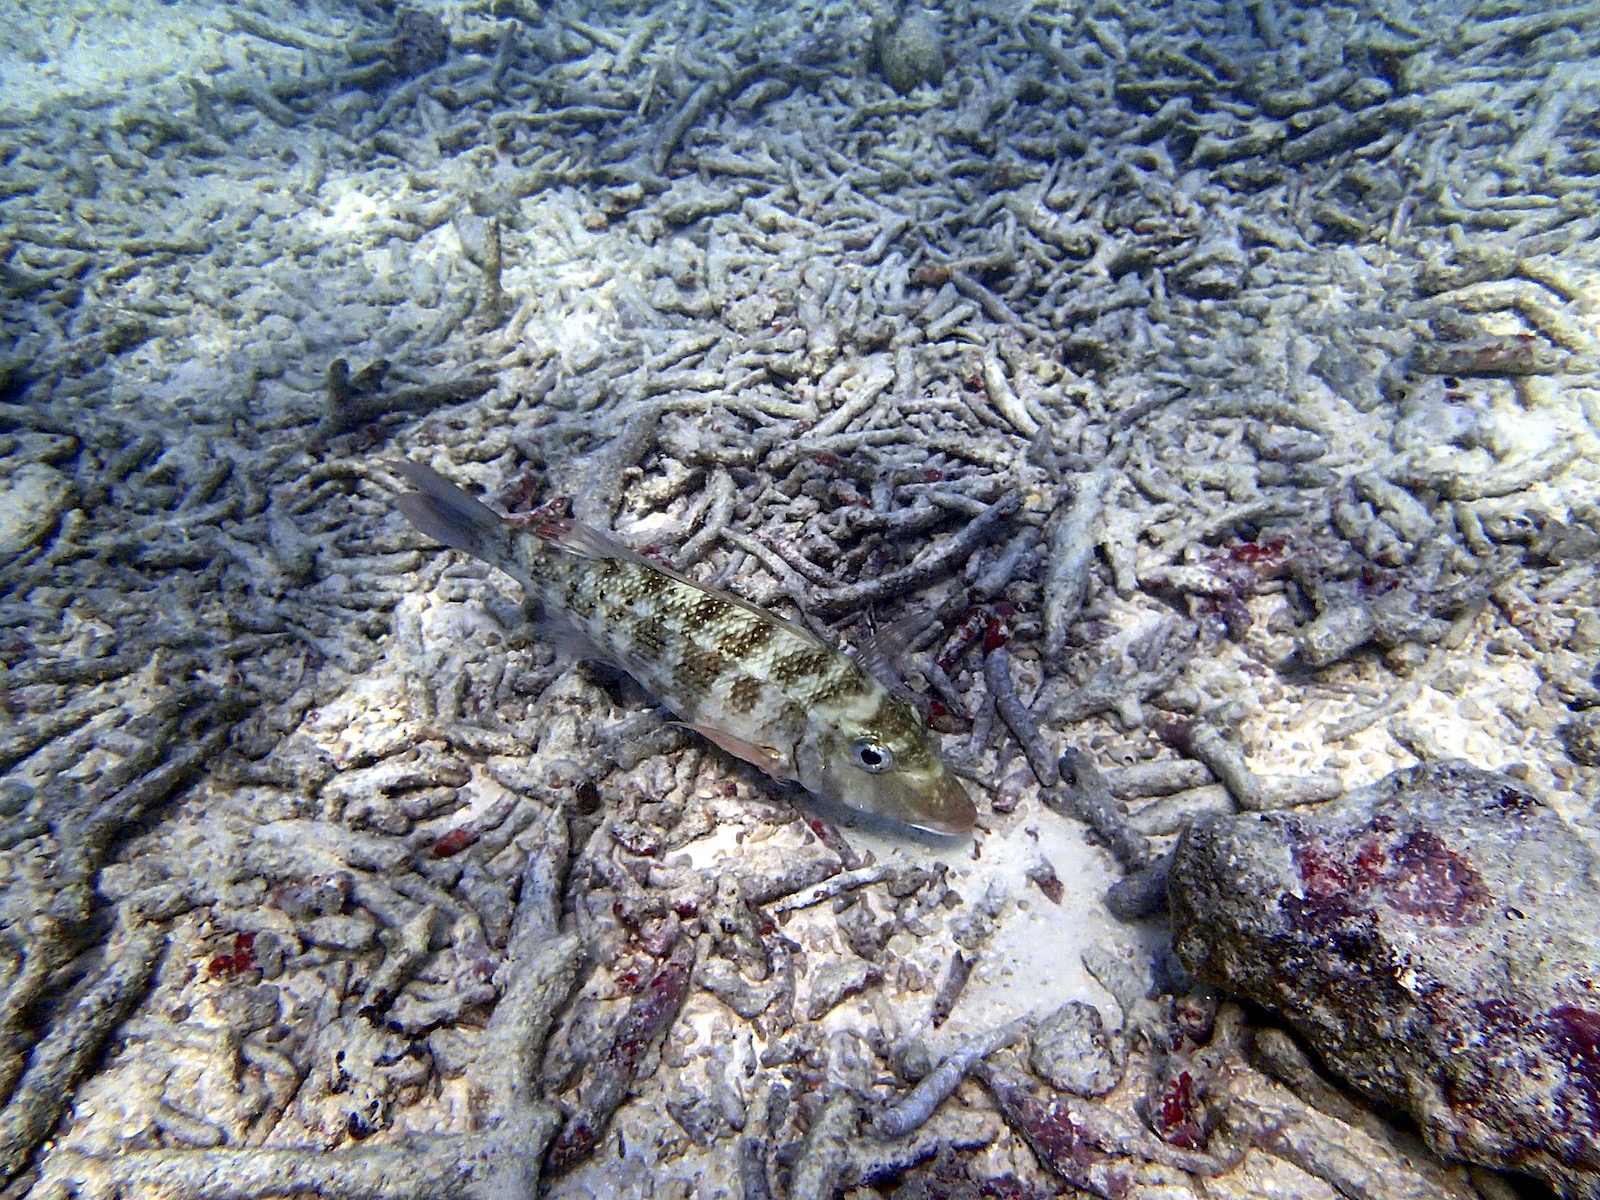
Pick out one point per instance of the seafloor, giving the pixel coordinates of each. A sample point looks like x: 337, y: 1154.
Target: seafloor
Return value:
x: 1213, y: 382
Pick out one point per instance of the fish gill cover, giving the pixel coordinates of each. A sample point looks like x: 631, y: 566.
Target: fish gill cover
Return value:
x: 1188, y: 407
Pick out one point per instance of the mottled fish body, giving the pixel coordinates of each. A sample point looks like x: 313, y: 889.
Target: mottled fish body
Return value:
x: 760, y: 687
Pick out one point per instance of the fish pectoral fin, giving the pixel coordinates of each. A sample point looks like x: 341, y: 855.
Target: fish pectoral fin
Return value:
x: 769, y: 758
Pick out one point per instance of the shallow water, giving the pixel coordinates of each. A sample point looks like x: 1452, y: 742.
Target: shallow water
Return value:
x: 1258, y: 340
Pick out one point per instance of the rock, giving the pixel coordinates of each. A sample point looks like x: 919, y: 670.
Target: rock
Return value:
x: 1334, y: 634
x: 1581, y: 737
x: 910, y: 51
x: 32, y: 497
x: 1436, y: 939
x: 1214, y: 269
x: 420, y: 43
x: 1073, y: 1053
x: 1366, y: 92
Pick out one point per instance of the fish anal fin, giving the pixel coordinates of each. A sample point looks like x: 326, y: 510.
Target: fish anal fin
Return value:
x: 562, y: 633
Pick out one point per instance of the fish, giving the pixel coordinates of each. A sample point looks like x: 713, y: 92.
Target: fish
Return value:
x: 762, y: 688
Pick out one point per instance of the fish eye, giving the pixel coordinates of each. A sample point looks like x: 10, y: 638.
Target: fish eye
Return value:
x: 870, y: 756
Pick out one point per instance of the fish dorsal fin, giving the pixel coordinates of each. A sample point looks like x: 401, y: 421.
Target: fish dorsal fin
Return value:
x: 585, y: 541
x: 880, y: 655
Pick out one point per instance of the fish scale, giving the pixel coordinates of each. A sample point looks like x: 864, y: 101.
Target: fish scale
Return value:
x: 706, y: 658
x: 758, y: 686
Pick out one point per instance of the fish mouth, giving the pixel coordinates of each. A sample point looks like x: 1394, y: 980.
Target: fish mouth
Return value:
x: 944, y: 828
x: 948, y: 810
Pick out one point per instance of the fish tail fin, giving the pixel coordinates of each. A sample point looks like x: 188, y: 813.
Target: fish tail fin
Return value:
x: 442, y: 511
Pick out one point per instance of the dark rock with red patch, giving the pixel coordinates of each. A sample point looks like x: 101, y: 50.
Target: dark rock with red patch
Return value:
x: 1436, y: 939
x: 1177, y: 1111
x: 609, y: 1080
x: 1060, y: 1139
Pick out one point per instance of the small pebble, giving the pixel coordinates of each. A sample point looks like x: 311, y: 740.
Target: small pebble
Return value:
x: 1073, y: 1052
